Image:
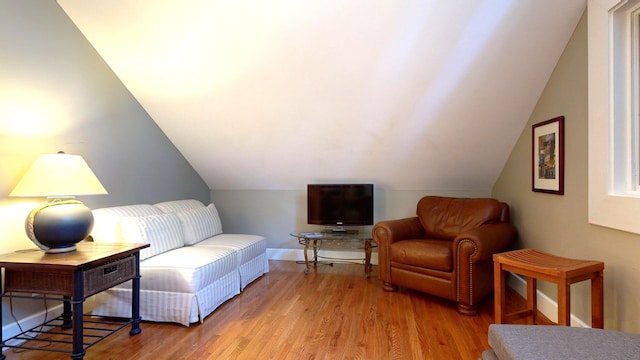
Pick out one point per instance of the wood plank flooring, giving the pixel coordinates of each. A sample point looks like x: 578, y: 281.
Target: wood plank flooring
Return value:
x: 334, y: 313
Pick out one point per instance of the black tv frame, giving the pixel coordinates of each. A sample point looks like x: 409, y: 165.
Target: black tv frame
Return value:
x: 338, y: 205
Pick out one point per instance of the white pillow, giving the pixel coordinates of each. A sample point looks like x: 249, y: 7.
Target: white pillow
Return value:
x: 163, y: 232
x: 200, y: 223
x: 179, y: 205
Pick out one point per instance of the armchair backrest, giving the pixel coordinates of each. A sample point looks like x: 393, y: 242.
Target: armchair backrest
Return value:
x: 446, y: 217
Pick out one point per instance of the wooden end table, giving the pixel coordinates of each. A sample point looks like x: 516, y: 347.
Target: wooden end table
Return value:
x: 73, y: 277
x: 535, y: 264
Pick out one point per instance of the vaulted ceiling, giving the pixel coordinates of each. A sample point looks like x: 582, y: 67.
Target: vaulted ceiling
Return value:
x: 259, y: 94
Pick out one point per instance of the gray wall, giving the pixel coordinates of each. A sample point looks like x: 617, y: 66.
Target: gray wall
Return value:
x: 56, y: 93
x: 558, y: 224
x: 47, y: 65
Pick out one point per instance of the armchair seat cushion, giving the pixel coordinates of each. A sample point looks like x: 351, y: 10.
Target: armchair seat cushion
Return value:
x: 424, y: 253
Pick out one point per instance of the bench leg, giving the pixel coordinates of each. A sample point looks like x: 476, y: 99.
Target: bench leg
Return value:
x: 498, y: 293
x: 597, y: 303
x: 564, y: 304
x: 532, y: 299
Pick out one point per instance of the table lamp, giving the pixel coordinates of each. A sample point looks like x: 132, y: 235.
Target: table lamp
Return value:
x: 56, y: 225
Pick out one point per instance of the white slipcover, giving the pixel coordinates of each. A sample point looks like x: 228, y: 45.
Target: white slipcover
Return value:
x: 181, y: 284
x: 252, y: 249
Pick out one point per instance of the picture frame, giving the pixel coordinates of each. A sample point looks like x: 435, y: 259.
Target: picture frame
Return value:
x: 547, y: 143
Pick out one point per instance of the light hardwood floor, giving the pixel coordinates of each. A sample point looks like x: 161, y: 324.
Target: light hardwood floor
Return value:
x: 334, y: 313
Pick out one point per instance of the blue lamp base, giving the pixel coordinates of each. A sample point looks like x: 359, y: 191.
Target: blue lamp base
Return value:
x: 58, y: 225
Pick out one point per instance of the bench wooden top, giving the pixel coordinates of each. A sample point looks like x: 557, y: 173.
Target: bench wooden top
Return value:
x: 540, y: 262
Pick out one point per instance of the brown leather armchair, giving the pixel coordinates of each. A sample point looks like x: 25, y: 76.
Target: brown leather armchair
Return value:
x: 446, y: 250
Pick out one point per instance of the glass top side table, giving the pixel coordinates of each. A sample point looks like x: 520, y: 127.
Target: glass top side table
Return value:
x: 317, y: 240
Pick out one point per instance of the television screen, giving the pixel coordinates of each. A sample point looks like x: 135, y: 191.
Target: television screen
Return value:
x: 340, y: 204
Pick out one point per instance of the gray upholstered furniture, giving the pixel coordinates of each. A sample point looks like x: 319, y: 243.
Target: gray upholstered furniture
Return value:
x: 533, y: 342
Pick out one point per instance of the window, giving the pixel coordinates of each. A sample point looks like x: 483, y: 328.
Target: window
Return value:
x: 614, y: 104
x: 624, y: 103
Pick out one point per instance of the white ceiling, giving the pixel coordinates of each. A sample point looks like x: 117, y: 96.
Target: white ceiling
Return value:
x: 261, y: 94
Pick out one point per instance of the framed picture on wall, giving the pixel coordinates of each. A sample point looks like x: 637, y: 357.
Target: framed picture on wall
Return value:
x: 548, y: 156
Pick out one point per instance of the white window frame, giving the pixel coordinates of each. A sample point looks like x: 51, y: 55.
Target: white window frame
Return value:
x: 633, y: 174
x: 634, y: 115
x: 614, y: 193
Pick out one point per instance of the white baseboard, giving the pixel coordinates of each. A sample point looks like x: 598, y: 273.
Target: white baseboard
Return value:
x: 298, y: 254
x: 546, y: 305
x: 13, y: 329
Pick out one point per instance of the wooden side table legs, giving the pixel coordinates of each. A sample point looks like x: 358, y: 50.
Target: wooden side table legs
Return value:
x: 532, y: 299
x: 597, y: 301
x: 499, y: 293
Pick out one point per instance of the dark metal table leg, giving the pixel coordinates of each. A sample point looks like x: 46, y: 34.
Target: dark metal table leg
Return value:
x: 77, y: 301
x: 66, y: 313
x: 135, y: 300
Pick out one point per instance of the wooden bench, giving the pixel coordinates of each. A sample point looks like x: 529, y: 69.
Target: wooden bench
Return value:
x: 534, y: 265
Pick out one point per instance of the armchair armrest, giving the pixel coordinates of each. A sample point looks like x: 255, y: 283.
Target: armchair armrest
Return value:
x: 389, y: 231
x: 481, y: 243
x: 472, y: 256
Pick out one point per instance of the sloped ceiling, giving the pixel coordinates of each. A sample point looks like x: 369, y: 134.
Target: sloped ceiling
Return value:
x: 408, y: 95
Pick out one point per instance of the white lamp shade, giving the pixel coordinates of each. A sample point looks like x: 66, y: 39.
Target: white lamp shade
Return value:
x: 58, y: 175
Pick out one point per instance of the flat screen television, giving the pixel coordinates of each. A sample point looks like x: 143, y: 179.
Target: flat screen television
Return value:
x: 340, y: 204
